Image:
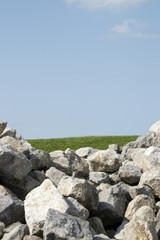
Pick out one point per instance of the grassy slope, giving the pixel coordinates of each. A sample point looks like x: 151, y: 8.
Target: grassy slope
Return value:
x: 99, y: 142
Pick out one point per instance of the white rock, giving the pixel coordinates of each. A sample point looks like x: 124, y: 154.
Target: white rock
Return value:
x: 155, y: 128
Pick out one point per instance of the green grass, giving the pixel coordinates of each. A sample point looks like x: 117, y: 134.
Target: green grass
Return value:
x: 98, y: 142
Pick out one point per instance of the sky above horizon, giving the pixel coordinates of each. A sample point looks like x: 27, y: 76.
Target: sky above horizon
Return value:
x: 79, y: 67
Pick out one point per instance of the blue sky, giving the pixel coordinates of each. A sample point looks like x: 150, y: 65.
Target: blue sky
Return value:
x: 79, y: 67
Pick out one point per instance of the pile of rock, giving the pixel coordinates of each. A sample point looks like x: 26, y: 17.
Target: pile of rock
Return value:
x: 88, y: 194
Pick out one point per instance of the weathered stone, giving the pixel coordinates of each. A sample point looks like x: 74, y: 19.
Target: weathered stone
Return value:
x: 3, y: 125
x: 76, y: 209
x: 101, y: 237
x: 114, y: 147
x: 40, y: 160
x: 103, y: 186
x: 37, y: 203
x: 55, y: 175
x: 8, y: 132
x: 112, y: 204
x: 16, y: 231
x: 4, y: 191
x: 99, y: 177
x: 152, y: 179
x: 138, y: 202
x: 104, y: 161
x: 64, y: 226
x: 2, y: 227
x: 85, y: 152
x: 155, y: 128
x: 80, y: 189
x: 114, y: 178
x: 137, y: 190
x: 11, y: 210
x: 142, y: 225
x: 60, y: 161
x: 130, y: 174
x: 29, y: 237
x: 38, y: 175
x: 119, y: 234
x: 97, y: 225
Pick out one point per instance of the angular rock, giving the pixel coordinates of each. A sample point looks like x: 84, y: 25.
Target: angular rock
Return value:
x: 112, y: 204
x: 85, y: 152
x: 130, y: 174
x: 142, y: 225
x: 40, y: 160
x: 101, y: 237
x: 152, y: 179
x: 64, y: 226
x: 29, y: 237
x: 104, y: 161
x: 11, y: 210
x: 119, y: 234
x: 155, y: 128
x: 38, y: 175
x: 80, y: 189
x: 76, y: 209
x: 151, y: 158
x: 37, y: 203
x: 103, y: 186
x: 97, y: 225
x: 60, y: 161
x: 114, y: 147
x: 2, y: 227
x: 99, y: 177
x: 55, y: 175
x: 137, y: 190
x: 16, y: 231
x: 3, y: 125
x: 138, y: 202
x: 11, y: 132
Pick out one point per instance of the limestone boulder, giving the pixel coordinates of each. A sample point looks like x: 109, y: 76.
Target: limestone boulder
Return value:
x: 130, y: 174
x: 101, y: 237
x: 80, y: 189
x: 38, y: 175
x: 3, y: 125
x: 76, y: 209
x: 29, y: 237
x: 40, y: 160
x: 11, y: 132
x: 142, y: 225
x: 85, y: 152
x: 55, y: 175
x: 138, y: 202
x: 119, y: 234
x: 64, y: 226
x: 99, y: 177
x: 112, y: 205
x: 16, y: 231
x: 155, y: 128
x: 151, y: 179
x: 2, y: 227
x: 138, y: 190
x: 38, y: 202
x: 97, y: 225
x: 104, y: 161
x: 11, y: 210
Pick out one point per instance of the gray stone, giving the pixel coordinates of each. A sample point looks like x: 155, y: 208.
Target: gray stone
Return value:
x: 55, y: 175
x: 40, y: 160
x: 2, y: 227
x: 80, y: 189
x: 104, y: 161
x: 114, y: 178
x: 9, y: 132
x: 15, y: 231
x: 137, y: 190
x: 3, y: 125
x: 114, y: 147
x: 11, y: 210
x: 119, y: 234
x: 29, y: 237
x: 38, y: 175
x: 37, y: 203
x: 103, y: 186
x: 101, y: 237
x: 97, y: 225
x: 155, y: 128
x: 112, y: 204
x: 130, y: 174
x: 99, y: 177
x: 152, y: 179
x: 64, y: 226
x: 60, y: 161
x: 85, y: 152
x: 76, y: 209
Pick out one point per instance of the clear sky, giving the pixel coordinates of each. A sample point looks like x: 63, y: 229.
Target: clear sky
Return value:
x: 79, y: 67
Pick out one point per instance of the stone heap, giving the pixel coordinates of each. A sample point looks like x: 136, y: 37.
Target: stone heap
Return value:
x: 88, y: 194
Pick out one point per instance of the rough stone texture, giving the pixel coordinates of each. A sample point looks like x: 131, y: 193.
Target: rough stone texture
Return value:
x: 55, y: 175
x: 3, y: 125
x: 142, y: 225
x: 29, y: 237
x: 137, y: 190
x: 40, y: 160
x: 112, y: 204
x: 103, y: 186
x: 80, y: 189
x: 97, y: 225
x: 11, y: 210
x: 2, y: 227
x: 9, y: 132
x: 114, y: 147
x: 60, y: 161
x: 104, y: 161
x: 99, y: 177
x: 114, y: 178
x: 37, y: 203
x: 130, y: 174
x: 15, y: 231
x: 152, y: 179
x: 76, y: 209
x: 38, y: 175
x: 101, y: 237
x: 85, y: 152
x: 119, y: 234
x: 64, y: 226
x: 138, y: 202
